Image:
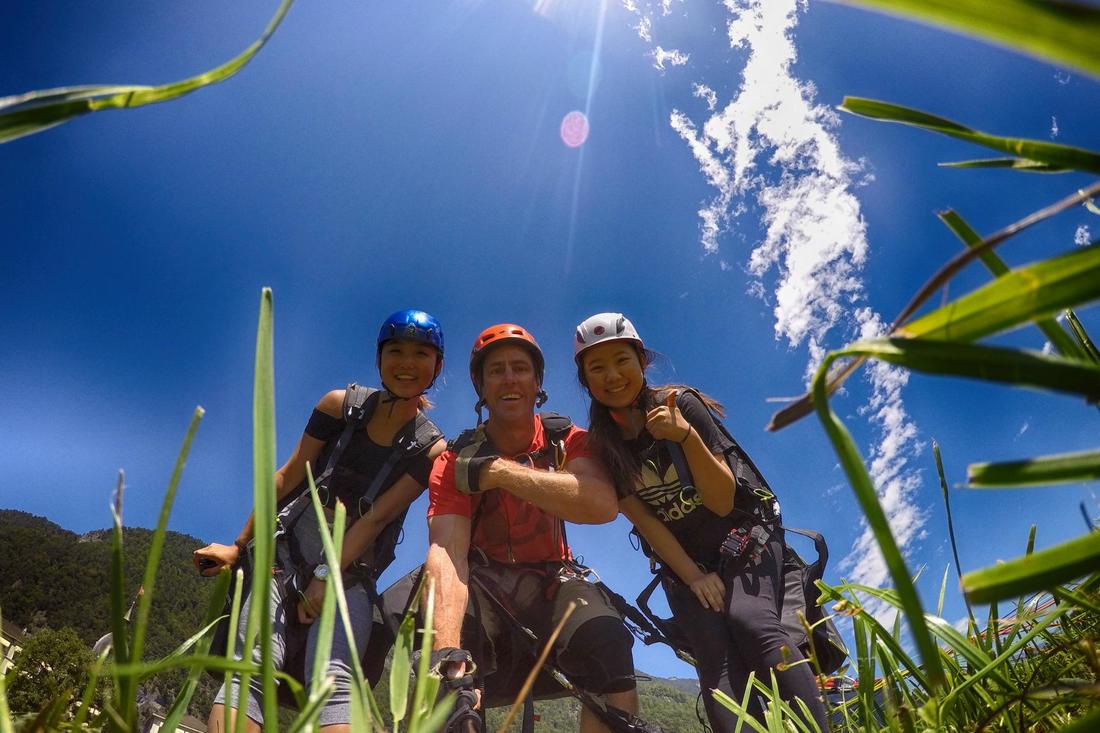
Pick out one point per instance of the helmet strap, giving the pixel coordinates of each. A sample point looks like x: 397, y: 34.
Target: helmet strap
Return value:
x: 541, y: 398
x: 477, y: 409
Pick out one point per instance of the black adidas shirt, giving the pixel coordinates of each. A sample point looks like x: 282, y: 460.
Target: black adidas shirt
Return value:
x: 699, y: 530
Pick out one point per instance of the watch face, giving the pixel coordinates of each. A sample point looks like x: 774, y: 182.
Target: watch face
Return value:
x: 320, y: 572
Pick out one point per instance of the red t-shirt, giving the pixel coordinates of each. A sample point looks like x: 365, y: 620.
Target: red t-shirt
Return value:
x: 507, y: 528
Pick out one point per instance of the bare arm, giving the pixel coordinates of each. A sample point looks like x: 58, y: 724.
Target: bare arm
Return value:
x: 583, y: 495
x: 448, y: 566
x: 708, y: 587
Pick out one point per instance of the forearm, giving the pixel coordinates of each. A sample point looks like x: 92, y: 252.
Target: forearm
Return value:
x: 669, y: 549
x: 451, y: 575
x: 713, y: 478
x: 572, y: 497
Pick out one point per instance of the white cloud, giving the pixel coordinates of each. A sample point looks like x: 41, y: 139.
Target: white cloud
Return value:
x: 1053, y: 127
x: 774, y: 146
x: 702, y: 91
x: 1023, y: 429
x: 673, y: 57
x: 645, y: 29
x: 1082, y: 236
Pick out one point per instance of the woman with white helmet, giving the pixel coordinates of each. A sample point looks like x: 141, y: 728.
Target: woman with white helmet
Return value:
x: 704, y: 510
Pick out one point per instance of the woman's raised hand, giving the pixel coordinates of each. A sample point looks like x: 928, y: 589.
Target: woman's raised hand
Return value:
x: 710, y: 590
x: 667, y: 422
x: 210, y: 559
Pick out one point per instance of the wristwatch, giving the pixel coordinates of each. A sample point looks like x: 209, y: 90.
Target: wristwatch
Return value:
x: 321, y: 572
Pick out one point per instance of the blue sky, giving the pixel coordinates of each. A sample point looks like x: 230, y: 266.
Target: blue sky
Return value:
x: 377, y: 156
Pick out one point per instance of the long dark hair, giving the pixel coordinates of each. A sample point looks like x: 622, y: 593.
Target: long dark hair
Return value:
x: 605, y: 437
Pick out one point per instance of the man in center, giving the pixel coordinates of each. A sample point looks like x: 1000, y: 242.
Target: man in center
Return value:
x: 499, y: 497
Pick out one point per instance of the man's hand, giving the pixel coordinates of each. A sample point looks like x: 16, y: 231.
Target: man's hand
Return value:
x: 710, y: 590
x: 212, y: 558
x: 310, y: 602
x: 667, y: 422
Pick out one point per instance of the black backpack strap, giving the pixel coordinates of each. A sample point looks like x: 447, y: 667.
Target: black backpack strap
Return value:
x: 815, y: 570
x: 418, y: 435
x: 556, y: 428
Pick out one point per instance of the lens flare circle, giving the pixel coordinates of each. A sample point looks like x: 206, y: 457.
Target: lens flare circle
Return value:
x: 574, y: 129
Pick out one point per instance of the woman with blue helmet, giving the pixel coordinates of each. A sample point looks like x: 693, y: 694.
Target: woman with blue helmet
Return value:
x: 705, y: 513
x: 376, y: 474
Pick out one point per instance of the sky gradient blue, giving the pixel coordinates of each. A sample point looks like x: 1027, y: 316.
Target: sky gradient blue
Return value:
x: 377, y: 156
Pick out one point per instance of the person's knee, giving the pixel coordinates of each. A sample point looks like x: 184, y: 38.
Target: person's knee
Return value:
x: 599, y: 656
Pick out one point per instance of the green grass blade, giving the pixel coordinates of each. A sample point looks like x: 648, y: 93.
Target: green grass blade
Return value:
x: 1025, y: 294
x: 360, y: 713
x: 990, y: 363
x: 1082, y: 336
x: 1040, y: 571
x: 1060, y: 31
x: 1057, y: 469
x: 156, y: 546
x: 259, y: 624
x: 864, y: 489
x: 1052, y: 154
x: 1057, y: 336
x: 202, y: 646
x: 427, y: 685
x: 400, y: 667
x: 1019, y: 164
x: 82, y: 710
x: 120, y: 638
x: 318, y: 696
x: 231, y: 641
x: 739, y: 709
x: 220, y: 664
x: 37, y: 111
x: 951, y: 524
x: 323, y: 653
x: 1088, y: 723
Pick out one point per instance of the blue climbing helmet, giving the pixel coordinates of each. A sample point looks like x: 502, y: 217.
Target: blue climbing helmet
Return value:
x: 412, y: 325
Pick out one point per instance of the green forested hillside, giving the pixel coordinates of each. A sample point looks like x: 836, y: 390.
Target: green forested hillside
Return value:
x: 50, y: 577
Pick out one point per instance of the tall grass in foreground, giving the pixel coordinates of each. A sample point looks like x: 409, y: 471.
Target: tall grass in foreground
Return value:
x: 978, y: 685
x: 127, y: 667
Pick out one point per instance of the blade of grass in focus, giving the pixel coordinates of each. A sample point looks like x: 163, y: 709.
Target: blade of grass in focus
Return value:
x: 860, y: 480
x: 1062, y: 32
x: 951, y: 527
x: 1019, y: 164
x: 1058, y: 337
x: 231, y: 642
x: 32, y: 112
x: 263, y: 498
x: 1057, y: 469
x: 1078, y: 330
x: 327, y: 619
x: 988, y: 363
x: 1052, y: 154
x: 1039, y: 571
x: 1022, y: 295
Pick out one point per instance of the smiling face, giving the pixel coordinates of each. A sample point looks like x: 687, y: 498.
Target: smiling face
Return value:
x: 614, y: 373
x: 408, y: 368
x: 509, y: 384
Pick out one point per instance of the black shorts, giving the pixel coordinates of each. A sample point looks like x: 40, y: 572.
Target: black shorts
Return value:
x: 536, y: 596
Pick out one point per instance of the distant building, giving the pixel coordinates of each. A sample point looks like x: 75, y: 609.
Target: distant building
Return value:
x: 11, y: 643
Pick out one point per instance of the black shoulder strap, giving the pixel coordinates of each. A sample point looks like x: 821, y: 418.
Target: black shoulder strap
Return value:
x: 555, y: 427
x: 359, y: 404
x: 417, y: 436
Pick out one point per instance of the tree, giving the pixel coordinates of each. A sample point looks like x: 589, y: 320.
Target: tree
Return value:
x: 52, y: 663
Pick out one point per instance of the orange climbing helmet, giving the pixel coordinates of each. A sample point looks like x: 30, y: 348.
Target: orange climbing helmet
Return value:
x: 499, y: 334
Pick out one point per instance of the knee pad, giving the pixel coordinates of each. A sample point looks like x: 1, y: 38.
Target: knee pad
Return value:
x: 598, y: 657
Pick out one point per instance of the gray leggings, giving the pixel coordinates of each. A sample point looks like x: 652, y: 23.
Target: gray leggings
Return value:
x: 337, y: 710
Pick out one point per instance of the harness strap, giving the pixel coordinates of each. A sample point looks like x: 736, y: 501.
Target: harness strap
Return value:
x: 617, y: 720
